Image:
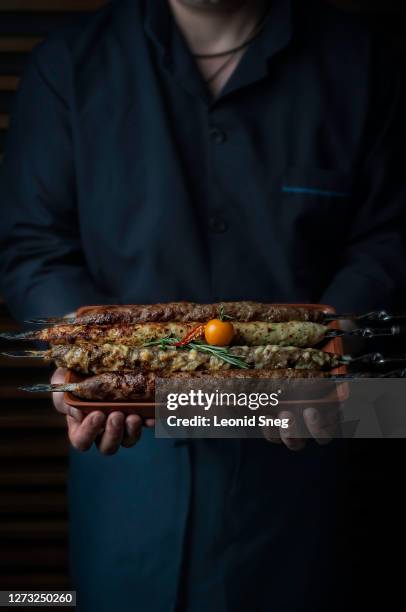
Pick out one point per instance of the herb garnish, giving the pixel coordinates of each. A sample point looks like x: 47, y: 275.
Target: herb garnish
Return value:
x: 217, y: 351
x: 223, y: 316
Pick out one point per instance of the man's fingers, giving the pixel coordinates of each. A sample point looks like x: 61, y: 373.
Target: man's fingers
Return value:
x: 82, y: 435
x: 63, y: 408
x: 111, y: 439
x: 109, y: 433
x: 58, y: 377
x: 290, y: 434
x: 133, y: 428
x: 322, y: 423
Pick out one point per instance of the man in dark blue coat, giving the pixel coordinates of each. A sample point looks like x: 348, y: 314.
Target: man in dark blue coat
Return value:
x: 202, y: 150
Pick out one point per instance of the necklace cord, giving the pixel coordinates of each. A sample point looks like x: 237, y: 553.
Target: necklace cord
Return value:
x: 257, y: 29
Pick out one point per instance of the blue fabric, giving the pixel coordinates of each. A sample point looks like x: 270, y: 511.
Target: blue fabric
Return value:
x: 124, y: 181
x: 115, y: 187
x: 316, y: 192
x: 208, y: 524
x: 128, y: 519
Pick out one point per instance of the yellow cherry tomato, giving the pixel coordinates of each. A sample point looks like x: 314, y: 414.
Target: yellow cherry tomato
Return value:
x: 219, y: 333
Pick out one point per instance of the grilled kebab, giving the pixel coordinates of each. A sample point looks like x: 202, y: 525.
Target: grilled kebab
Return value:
x: 189, y: 311
x: 140, y: 385
x: 254, y: 333
x: 97, y: 359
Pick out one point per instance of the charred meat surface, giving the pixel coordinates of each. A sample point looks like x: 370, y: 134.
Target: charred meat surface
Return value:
x: 189, y: 312
x: 140, y: 385
x: 109, y: 358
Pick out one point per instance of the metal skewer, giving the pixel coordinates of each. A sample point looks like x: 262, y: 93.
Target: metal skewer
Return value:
x: 49, y: 388
x: 23, y: 354
x: 53, y: 321
x: 29, y: 335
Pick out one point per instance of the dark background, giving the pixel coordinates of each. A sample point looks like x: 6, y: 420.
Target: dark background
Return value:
x: 33, y: 445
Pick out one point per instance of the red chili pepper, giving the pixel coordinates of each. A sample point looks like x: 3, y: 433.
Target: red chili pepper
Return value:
x: 196, y: 333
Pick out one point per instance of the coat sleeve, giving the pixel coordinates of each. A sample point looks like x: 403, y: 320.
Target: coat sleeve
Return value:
x: 42, y: 265
x: 371, y: 271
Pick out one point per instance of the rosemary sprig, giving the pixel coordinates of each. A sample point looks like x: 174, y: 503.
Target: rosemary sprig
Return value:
x: 163, y: 343
x: 223, y: 316
x: 220, y: 353
x: 216, y: 351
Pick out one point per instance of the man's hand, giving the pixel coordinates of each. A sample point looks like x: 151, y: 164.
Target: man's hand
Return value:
x: 109, y: 433
x: 320, y: 424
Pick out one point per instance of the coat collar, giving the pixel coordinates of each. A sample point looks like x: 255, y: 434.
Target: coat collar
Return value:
x: 173, y: 53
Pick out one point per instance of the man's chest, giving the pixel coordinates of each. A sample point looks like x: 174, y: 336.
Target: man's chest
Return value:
x: 260, y: 182
x: 280, y: 148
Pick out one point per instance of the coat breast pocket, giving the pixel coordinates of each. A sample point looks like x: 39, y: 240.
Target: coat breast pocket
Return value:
x: 320, y: 200
x: 312, y: 211
x: 317, y: 184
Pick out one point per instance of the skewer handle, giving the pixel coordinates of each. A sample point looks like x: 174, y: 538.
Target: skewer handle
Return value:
x: 375, y: 316
x: 370, y: 332
x: 398, y: 373
x: 376, y: 360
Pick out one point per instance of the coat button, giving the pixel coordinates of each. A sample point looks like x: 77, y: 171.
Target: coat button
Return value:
x: 217, y: 136
x: 217, y: 224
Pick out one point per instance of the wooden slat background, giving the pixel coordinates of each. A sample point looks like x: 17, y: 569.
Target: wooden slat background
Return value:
x: 33, y: 446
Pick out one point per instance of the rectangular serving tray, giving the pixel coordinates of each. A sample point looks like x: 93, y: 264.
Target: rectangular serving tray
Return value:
x: 147, y: 409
